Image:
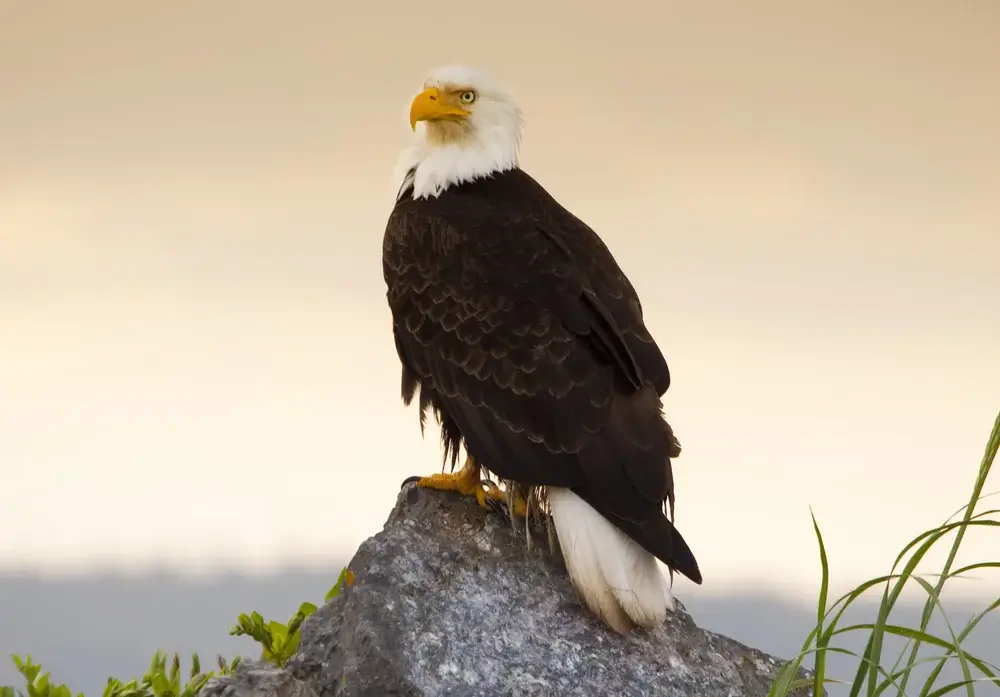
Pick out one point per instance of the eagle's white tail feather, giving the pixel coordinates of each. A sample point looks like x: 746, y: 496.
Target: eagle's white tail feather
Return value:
x: 617, y: 579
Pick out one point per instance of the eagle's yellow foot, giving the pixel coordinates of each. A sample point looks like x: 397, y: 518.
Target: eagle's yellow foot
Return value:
x: 465, y: 482
x: 518, y: 505
x: 468, y: 483
x: 491, y: 492
x: 514, y: 503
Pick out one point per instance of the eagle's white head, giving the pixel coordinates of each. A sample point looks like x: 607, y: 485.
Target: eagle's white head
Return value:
x: 466, y: 126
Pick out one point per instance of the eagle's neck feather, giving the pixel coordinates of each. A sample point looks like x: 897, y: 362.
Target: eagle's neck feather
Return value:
x: 492, y: 148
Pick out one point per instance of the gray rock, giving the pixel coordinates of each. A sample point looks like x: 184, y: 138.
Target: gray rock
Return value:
x: 253, y: 678
x: 448, y: 601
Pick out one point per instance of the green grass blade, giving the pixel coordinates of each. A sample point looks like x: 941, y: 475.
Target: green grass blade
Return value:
x: 819, y: 668
x: 989, y: 457
x: 932, y: 592
x: 953, y: 686
x: 917, y: 634
x: 970, y: 625
x: 873, y: 651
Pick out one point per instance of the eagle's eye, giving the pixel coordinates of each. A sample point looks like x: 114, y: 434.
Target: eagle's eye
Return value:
x: 468, y: 97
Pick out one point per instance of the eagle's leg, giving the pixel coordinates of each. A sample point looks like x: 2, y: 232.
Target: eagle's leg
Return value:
x: 466, y: 482
x: 517, y: 504
x: 512, y: 499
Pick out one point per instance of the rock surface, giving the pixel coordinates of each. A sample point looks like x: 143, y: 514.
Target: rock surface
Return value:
x: 448, y: 601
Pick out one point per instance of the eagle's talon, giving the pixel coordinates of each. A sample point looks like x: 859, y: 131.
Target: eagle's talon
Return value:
x: 410, y: 480
x: 489, y: 495
x: 499, y: 508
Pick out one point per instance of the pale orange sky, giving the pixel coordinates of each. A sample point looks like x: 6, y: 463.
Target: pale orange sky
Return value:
x: 192, y: 200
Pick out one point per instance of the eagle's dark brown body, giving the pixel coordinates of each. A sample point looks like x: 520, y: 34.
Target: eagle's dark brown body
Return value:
x: 519, y: 330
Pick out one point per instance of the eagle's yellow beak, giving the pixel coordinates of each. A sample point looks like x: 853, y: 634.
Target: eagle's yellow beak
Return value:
x: 431, y: 105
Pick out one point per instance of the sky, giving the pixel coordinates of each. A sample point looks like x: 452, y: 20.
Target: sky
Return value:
x: 196, y: 365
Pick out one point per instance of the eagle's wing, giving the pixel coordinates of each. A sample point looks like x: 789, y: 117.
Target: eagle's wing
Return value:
x: 587, y: 251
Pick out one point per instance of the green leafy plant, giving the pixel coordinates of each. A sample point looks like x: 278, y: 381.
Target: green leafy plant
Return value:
x: 871, y: 676
x: 158, y: 681
x: 161, y: 682
x: 280, y: 641
x: 38, y: 684
x: 346, y: 578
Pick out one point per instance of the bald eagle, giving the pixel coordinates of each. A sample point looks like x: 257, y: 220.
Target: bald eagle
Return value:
x: 521, y: 334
